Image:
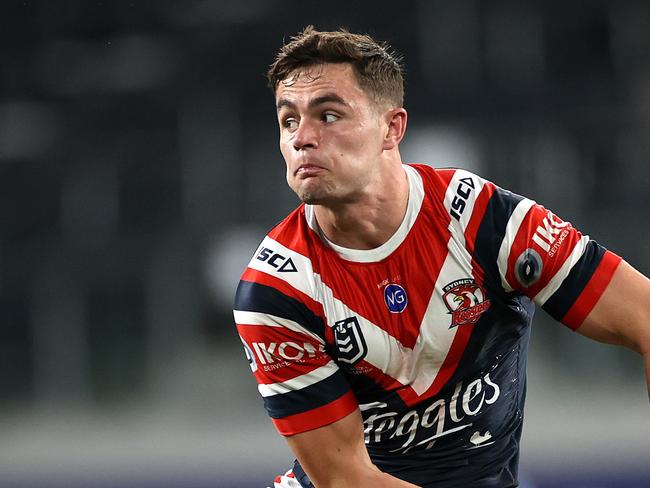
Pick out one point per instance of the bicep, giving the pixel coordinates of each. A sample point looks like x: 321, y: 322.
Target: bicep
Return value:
x: 622, y: 313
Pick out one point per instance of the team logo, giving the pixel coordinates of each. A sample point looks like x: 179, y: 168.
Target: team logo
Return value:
x: 349, y: 340
x: 395, y: 298
x: 528, y: 268
x: 466, y: 301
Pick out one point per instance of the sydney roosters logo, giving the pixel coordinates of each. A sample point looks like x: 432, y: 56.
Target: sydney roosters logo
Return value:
x: 466, y: 301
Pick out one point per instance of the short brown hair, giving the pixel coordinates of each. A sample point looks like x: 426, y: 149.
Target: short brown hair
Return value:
x: 377, y: 67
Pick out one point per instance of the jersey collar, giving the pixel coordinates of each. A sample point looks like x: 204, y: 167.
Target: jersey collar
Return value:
x: 416, y: 196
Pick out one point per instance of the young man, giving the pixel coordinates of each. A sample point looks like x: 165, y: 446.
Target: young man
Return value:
x: 387, y: 318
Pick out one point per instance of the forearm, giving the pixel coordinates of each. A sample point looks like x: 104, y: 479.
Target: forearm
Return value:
x: 366, y: 479
x: 356, y: 471
x: 335, y: 456
x: 387, y: 481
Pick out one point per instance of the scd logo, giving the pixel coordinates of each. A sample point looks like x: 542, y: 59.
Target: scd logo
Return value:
x: 395, y: 298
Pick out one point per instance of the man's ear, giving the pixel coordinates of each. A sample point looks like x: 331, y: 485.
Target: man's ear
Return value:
x: 396, y: 127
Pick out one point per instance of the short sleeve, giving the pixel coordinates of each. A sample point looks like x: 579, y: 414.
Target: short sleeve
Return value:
x: 550, y: 261
x: 518, y: 246
x: 301, y: 385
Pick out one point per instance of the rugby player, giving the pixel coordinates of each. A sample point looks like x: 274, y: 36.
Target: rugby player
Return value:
x: 387, y: 318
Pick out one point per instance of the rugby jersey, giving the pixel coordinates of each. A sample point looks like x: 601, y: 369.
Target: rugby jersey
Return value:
x: 427, y: 334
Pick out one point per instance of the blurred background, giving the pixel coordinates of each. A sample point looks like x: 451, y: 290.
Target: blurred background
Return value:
x: 139, y: 169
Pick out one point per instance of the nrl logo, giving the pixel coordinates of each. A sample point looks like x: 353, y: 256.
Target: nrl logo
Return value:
x: 349, y: 341
x: 466, y: 301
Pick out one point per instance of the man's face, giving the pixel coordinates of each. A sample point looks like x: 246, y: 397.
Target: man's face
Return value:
x: 331, y: 134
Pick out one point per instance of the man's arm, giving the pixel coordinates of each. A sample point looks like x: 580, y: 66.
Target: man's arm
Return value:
x: 335, y: 456
x: 622, y: 314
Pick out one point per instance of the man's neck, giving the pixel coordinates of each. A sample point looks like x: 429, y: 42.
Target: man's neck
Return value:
x: 370, y: 221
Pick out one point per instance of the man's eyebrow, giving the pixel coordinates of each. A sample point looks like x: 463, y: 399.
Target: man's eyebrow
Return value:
x: 326, y: 98
x: 283, y: 102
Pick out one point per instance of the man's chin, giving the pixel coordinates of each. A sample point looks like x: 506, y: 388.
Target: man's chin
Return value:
x: 323, y: 198
x: 311, y: 196
x: 311, y: 199
x: 321, y: 194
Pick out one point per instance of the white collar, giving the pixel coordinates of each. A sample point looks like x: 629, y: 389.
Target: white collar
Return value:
x: 416, y: 196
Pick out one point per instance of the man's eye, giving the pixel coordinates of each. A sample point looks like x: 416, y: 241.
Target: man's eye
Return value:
x: 291, y: 124
x: 330, y: 118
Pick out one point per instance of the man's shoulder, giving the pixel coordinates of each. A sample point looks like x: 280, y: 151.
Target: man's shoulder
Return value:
x: 445, y: 186
x: 292, y: 233
x: 278, y: 278
x: 441, y: 175
x: 284, y: 255
x: 290, y: 223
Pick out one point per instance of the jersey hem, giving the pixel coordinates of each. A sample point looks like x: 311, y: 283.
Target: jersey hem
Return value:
x: 592, y: 292
x: 317, y: 417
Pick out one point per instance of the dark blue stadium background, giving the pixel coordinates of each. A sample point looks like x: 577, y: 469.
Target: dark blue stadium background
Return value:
x: 139, y: 166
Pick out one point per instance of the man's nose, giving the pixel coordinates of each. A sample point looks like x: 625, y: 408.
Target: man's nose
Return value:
x: 306, y: 135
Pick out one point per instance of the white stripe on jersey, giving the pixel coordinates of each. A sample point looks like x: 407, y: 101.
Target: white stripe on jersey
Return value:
x: 397, y: 363
x: 512, y: 227
x: 309, y: 283
x: 562, y: 273
x: 304, y: 280
x: 455, y: 185
x: 415, y: 199
x: 435, y: 341
x: 256, y: 318
x: 299, y: 382
x: 418, y: 367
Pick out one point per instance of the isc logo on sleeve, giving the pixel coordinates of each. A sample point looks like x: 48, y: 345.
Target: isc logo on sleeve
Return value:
x: 276, y: 260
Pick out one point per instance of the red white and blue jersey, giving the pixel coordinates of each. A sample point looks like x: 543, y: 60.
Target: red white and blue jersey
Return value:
x: 427, y: 334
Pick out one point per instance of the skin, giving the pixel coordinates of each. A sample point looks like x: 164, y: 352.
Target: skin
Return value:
x: 342, y: 155
x: 341, y: 148
x: 622, y: 314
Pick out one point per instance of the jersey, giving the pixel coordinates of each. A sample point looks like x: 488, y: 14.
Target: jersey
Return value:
x: 427, y: 335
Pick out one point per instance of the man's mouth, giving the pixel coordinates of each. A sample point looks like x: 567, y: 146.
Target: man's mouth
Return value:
x: 306, y: 170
